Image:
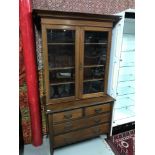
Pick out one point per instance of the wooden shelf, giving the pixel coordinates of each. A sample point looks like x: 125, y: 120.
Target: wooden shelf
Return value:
x: 60, y: 68
x: 61, y: 83
x: 96, y: 43
x: 91, y: 66
x: 61, y: 43
x: 89, y: 80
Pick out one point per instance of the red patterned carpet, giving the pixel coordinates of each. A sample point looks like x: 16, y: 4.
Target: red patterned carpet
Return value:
x: 23, y: 99
x: 123, y: 143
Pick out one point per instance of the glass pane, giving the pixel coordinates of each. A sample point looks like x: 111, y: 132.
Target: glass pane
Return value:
x: 93, y: 87
x: 62, y: 75
x: 93, y: 73
x: 61, y: 56
x: 64, y: 90
x: 60, y: 36
x: 95, y: 50
x: 61, y: 61
x: 96, y: 37
x: 94, y: 54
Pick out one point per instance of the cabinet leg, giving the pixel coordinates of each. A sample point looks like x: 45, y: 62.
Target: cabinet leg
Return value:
x: 51, y: 151
x: 108, y: 136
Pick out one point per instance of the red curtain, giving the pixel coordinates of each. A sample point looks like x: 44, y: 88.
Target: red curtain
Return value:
x: 27, y: 34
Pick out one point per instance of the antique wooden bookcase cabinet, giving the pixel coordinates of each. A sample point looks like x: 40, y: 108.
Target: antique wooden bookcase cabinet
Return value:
x: 76, y: 51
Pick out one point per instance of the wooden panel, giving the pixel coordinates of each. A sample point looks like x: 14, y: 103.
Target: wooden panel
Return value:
x: 89, y: 28
x: 81, y: 61
x: 45, y: 61
x: 50, y: 129
x: 74, y: 15
x: 80, y: 135
x: 82, y: 123
x: 91, y: 95
x: 95, y: 29
x: 93, y: 110
x: 76, y: 22
x: 68, y: 115
x: 61, y: 106
x: 46, y: 67
x: 107, y: 62
x: 77, y: 56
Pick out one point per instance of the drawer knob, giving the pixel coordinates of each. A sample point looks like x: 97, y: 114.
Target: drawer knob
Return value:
x: 68, y: 126
x: 98, y: 111
x: 67, y: 139
x: 96, y: 131
x: 68, y: 116
x: 97, y: 120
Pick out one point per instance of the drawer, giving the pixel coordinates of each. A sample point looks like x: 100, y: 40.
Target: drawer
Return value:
x: 82, y: 123
x: 67, y: 115
x: 81, y: 135
x: 93, y: 110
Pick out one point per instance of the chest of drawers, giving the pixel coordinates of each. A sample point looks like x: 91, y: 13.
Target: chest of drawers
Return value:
x: 75, y: 124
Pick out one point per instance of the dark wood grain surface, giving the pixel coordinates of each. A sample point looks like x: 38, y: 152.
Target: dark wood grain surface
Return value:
x: 81, y: 115
x: 79, y: 135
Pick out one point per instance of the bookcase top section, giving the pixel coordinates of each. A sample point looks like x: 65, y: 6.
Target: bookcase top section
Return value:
x: 75, y: 15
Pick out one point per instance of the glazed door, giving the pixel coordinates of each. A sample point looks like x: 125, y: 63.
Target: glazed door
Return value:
x: 60, y: 62
x: 95, y: 46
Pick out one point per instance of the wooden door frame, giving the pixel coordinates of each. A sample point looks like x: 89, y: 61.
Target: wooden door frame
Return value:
x: 45, y: 61
x: 82, y: 29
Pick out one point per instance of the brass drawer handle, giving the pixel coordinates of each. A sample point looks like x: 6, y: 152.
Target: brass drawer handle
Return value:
x: 68, y: 116
x: 68, y: 126
x: 96, y: 131
x: 98, y: 111
x: 67, y: 139
x: 97, y: 120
